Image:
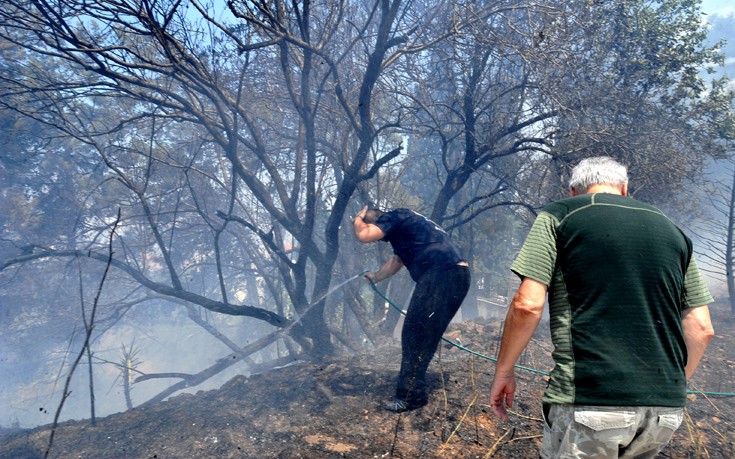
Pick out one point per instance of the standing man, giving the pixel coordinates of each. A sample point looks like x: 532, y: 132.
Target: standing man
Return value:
x: 628, y: 317
x: 442, y: 280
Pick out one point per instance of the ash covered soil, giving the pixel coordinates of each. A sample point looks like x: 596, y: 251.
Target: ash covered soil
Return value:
x: 333, y: 409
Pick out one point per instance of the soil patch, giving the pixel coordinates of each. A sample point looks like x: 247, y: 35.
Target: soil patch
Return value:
x: 333, y: 410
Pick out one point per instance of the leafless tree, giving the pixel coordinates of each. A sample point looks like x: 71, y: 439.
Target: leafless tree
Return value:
x: 264, y: 101
x: 236, y: 139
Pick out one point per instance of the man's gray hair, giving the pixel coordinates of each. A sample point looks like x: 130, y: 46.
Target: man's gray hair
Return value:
x: 597, y: 171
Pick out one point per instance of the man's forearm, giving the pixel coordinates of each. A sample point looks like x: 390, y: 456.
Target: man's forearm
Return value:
x: 698, y: 332
x: 392, y: 266
x: 523, y: 317
x: 517, y: 332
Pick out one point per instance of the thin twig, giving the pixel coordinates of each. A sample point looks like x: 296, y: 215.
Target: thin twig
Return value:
x: 706, y: 398
x: 527, y: 437
x: 395, y: 435
x: 497, y: 443
x: 441, y: 376
x: 725, y: 439
x: 89, y: 351
x: 517, y: 414
x: 462, y: 419
x: 87, y: 339
x: 525, y: 417
x: 474, y: 391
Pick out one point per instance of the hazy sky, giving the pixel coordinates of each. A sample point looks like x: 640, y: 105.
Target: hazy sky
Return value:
x: 721, y: 7
x: 724, y: 28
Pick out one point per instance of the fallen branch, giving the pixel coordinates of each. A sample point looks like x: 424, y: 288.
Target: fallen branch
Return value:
x: 162, y: 376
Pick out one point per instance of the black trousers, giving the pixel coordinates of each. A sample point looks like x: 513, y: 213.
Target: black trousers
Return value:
x: 436, y: 298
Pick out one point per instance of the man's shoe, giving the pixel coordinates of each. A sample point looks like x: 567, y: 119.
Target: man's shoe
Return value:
x: 399, y: 406
x: 396, y: 406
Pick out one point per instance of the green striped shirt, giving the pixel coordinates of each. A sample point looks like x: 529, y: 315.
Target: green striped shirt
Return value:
x: 619, y: 274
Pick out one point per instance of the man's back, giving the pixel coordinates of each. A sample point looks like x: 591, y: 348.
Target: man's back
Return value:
x: 616, y: 296
x: 629, y: 319
x: 421, y: 244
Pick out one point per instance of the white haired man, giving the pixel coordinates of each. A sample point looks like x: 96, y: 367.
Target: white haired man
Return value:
x: 628, y: 317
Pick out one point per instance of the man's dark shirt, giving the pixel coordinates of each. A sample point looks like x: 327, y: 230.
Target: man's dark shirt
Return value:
x: 420, y: 243
x: 620, y: 274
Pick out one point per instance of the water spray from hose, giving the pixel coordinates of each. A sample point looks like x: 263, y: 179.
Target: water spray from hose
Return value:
x: 329, y: 292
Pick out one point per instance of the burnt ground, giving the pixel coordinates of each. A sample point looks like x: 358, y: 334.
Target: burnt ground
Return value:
x: 333, y: 410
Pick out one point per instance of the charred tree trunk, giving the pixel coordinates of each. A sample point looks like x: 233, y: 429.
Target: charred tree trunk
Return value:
x: 92, y: 412
x: 729, y: 249
x: 127, y: 378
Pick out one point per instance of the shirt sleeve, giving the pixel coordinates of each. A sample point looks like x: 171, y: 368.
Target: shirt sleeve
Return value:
x: 696, y: 292
x: 386, y: 223
x: 537, y: 257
